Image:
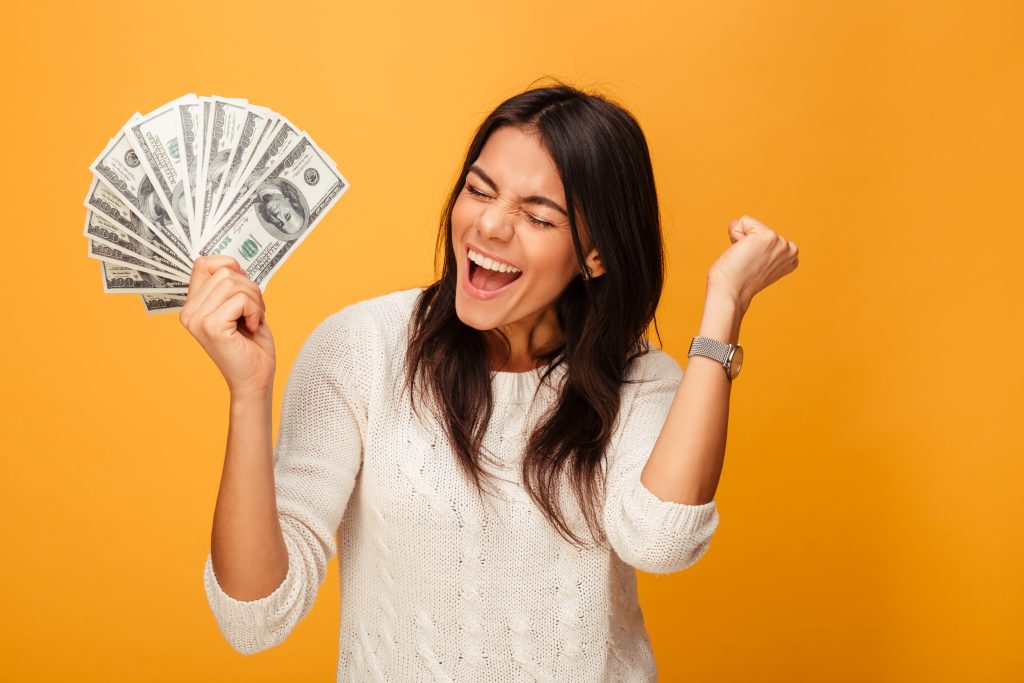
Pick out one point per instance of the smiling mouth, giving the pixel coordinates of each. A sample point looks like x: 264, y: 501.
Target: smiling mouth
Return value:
x: 489, y: 280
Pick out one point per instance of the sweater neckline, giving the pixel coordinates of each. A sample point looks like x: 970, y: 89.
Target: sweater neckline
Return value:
x: 519, y: 387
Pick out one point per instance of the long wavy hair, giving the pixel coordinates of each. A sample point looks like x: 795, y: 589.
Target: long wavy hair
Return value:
x: 605, y: 167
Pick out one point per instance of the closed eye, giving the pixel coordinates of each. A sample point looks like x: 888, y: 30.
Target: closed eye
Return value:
x: 483, y: 195
x: 473, y: 191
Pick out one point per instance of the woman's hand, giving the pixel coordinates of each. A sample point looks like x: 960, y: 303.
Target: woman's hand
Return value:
x: 219, y: 294
x: 758, y: 257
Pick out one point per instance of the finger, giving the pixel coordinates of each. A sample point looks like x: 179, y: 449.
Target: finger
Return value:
x: 241, y: 282
x: 735, y: 233
x: 196, y: 297
x: 753, y: 224
x: 223, y: 291
x: 204, y: 267
x: 233, y: 307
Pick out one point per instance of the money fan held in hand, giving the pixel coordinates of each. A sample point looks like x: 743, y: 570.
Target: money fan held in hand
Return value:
x: 199, y: 176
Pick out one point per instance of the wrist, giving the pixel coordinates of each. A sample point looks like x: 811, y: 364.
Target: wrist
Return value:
x: 249, y: 397
x: 723, y: 313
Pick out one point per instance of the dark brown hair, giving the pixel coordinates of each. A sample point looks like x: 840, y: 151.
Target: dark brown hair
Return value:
x: 605, y: 167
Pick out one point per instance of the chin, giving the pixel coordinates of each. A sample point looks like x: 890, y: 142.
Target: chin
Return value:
x: 472, y: 317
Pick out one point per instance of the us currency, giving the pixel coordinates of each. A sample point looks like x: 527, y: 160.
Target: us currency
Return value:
x: 119, y: 167
x: 280, y: 212
x: 190, y: 123
x: 124, y: 280
x: 156, y: 139
x: 114, y: 256
x: 105, y: 231
x: 270, y: 151
x: 102, y: 200
x: 225, y: 127
x: 162, y: 303
x: 253, y: 127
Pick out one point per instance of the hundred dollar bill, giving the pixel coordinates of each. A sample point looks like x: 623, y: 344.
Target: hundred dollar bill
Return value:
x: 255, y: 124
x: 190, y: 123
x: 124, y: 280
x: 225, y: 127
x: 105, y: 231
x: 269, y: 152
x: 162, y: 303
x: 280, y: 212
x: 119, y: 167
x: 104, y: 201
x: 116, y: 257
x: 156, y: 139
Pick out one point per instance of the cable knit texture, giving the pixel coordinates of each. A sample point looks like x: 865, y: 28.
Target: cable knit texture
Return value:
x: 437, y: 585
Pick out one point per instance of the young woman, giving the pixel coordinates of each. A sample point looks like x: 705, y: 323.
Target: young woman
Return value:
x: 492, y: 455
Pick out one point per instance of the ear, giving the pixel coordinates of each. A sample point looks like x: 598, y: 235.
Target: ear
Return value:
x: 593, y: 261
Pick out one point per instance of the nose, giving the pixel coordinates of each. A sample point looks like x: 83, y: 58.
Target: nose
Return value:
x: 496, y: 221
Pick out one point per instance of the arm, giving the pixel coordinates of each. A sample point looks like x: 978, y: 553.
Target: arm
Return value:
x: 646, y: 532
x: 686, y: 462
x: 300, y: 494
x: 247, y: 547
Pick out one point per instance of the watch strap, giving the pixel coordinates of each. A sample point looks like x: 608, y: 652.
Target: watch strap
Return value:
x: 711, y: 348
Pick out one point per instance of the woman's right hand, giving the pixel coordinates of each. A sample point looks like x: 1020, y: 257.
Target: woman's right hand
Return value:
x: 219, y: 294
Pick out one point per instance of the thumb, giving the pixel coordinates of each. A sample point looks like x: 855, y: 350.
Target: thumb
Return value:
x: 736, y: 231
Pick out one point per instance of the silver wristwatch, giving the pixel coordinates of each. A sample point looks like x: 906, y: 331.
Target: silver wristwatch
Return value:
x: 729, y: 355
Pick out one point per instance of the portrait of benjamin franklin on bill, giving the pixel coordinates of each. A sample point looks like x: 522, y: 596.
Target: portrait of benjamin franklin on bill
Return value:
x: 215, y: 171
x: 281, y: 209
x: 181, y: 208
x: 152, y: 207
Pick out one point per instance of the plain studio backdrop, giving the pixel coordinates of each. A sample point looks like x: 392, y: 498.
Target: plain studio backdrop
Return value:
x: 872, y: 523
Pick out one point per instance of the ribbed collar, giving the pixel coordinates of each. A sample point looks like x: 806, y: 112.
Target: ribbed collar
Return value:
x: 519, y: 387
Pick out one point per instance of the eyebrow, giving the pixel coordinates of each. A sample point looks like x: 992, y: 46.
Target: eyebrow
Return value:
x: 532, y: 199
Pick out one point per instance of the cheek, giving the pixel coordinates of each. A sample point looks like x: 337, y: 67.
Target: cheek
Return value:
x: 555, y: 259
x: 462, y: 215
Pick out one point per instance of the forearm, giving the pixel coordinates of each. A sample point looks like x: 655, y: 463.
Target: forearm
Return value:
x: 247, y: 545
x: 686, y: 462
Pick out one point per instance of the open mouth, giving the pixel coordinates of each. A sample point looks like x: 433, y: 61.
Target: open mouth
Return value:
x: 487, y: 280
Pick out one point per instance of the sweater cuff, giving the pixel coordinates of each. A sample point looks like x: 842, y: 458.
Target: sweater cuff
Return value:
x: 665, y: 514
x: 249, y: 624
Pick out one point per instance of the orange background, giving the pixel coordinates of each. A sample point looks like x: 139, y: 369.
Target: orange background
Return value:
x: 872, y: 517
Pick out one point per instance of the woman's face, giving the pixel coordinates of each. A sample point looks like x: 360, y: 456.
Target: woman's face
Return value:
x: 512, y: 209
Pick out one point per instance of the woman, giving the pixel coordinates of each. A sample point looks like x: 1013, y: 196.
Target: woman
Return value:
x: 495, y: 453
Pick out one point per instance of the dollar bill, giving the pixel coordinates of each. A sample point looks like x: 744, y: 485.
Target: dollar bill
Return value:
x: 104, y: 201
x: 114, y: 256
x: 190, y: 123
x: 255, y: 124
x: 269, y: 152
x: 280, y: 212
x: 119, y: 167
x: 225, y: 127
x: 124, y: 280
x: 156, y: 139
x: 162, y: 303
x: 105, y: 231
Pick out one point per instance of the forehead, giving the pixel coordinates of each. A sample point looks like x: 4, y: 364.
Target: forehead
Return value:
x: 518, y: 162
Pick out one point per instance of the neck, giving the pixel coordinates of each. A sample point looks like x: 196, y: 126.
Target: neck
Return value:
x: 527, y: 338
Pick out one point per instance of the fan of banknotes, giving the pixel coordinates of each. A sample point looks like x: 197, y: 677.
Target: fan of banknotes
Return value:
x: 200, y: 176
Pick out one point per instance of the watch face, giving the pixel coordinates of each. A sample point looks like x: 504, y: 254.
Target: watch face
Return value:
x: 737, y: 362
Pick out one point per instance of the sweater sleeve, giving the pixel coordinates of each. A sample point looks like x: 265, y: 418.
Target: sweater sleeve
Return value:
x: 646, y: 532
x: 316, y: 460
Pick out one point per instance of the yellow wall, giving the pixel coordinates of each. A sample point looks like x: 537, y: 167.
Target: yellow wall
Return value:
x: 872, y: 519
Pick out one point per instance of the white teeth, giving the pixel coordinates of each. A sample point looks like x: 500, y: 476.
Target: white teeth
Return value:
x: 490, y: 264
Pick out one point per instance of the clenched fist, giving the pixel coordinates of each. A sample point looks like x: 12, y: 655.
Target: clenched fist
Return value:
x: 758, y: 257
x: 225, y: 312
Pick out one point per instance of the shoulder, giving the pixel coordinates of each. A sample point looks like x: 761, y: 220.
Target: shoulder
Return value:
x: 357, y: 344
x: 380, y: 318
x: 654, y: 365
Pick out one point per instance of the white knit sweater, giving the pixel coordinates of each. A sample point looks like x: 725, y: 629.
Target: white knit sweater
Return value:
x: 436, y: 586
